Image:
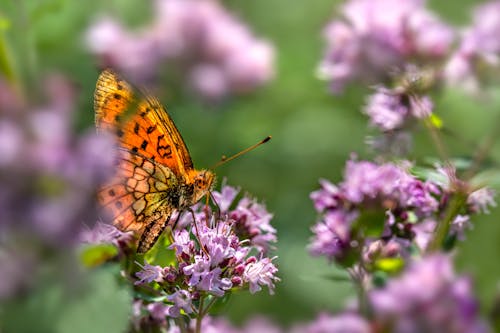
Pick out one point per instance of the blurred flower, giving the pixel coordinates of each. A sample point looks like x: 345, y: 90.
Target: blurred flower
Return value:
x: 480, y: 200
x: 375, y: 37
x: 211, y: 49
x: 427, y: 297
x: 394, y: 112
x: 104, y: 233
x: 379, y: 210
x: 49, y: 178
x: 221, y: 325
x: 340, y: 323
x: 478, y: 56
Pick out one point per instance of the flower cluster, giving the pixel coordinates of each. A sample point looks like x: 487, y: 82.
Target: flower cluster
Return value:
x: 374, y: 38
x: 427, y: 297
x: 215, y: 53
x: 380, y: 210
x: 214, y: 253
x: 391, y: 110
x: 479, y: 50
x: 49, y: 178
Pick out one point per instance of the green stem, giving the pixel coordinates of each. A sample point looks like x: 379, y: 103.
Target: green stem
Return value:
x: 209, y: 305
x: 7, y: 64
x: 181, y: 324
x: 199, y: 318
x: 457, y: 201
x: 438, y: 143
x: 357, y: 278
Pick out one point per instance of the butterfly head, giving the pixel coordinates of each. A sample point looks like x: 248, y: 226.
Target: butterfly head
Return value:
x: 203, y: 180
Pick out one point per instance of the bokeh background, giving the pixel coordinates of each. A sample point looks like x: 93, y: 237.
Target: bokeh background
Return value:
x: 314, y: 132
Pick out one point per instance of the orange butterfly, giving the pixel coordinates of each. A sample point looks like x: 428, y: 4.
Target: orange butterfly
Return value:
x: 154, y: 175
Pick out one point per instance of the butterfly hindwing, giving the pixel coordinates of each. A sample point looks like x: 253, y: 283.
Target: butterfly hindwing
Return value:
x: 140, y: 193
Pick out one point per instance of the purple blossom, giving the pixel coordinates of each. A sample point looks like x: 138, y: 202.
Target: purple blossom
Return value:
x: 104, y: 233
x: 225, y: 197
x: 459, y: 225
x: 222, y: 325
x: 375, y: 37
x: 427, y: 297
x: 203, y: 277
x: 216, y: 53
x: 183, y: 243
x: 479, y: 48
x: 391, y: 109
x: 332, y: 237
x: 251, y: 219
x: 393, y: 248
x: 480, y: 200
x: 424, y: 231
x: 261, y: 273
x: 182, y: 301
x: 209, y: 258
x: 149, y: 273
x: 158, y: 311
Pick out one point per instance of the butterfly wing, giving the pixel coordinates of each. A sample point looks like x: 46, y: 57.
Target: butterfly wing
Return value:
x: 153, y: 159
x: 140, y: 197
x: 141, y: 123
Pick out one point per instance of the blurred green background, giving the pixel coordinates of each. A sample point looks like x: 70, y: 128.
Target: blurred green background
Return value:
x: 313, y: 131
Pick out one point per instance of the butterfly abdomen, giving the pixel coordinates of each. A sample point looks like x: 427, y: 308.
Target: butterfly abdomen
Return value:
x: 152, y: 232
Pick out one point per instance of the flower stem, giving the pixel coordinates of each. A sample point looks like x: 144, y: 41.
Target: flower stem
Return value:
x: 209, y: 305
x: 181, y: 324
x: 440, y: 147
x: 200, y: 316
x: 357, y: 278
x: 457, y: 201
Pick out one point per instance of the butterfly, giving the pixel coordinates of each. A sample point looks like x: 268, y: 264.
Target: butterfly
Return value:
x: 154, y: 173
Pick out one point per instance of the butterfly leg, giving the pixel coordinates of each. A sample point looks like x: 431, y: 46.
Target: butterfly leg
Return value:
x: 174, y: 225
x: 197, y: 233
x: 218, y: 210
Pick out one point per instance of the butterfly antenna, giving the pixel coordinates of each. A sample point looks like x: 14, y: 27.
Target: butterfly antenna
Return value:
x: 225, y: 159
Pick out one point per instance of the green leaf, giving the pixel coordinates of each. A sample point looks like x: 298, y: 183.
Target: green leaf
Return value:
x: 160, y: 254
x: 95, y: 255
x: 150, y: 298
x: 429, y: 174
x: 389, y: 265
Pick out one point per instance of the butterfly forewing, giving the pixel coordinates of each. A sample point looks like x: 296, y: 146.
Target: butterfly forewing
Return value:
x: 141, y: 123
